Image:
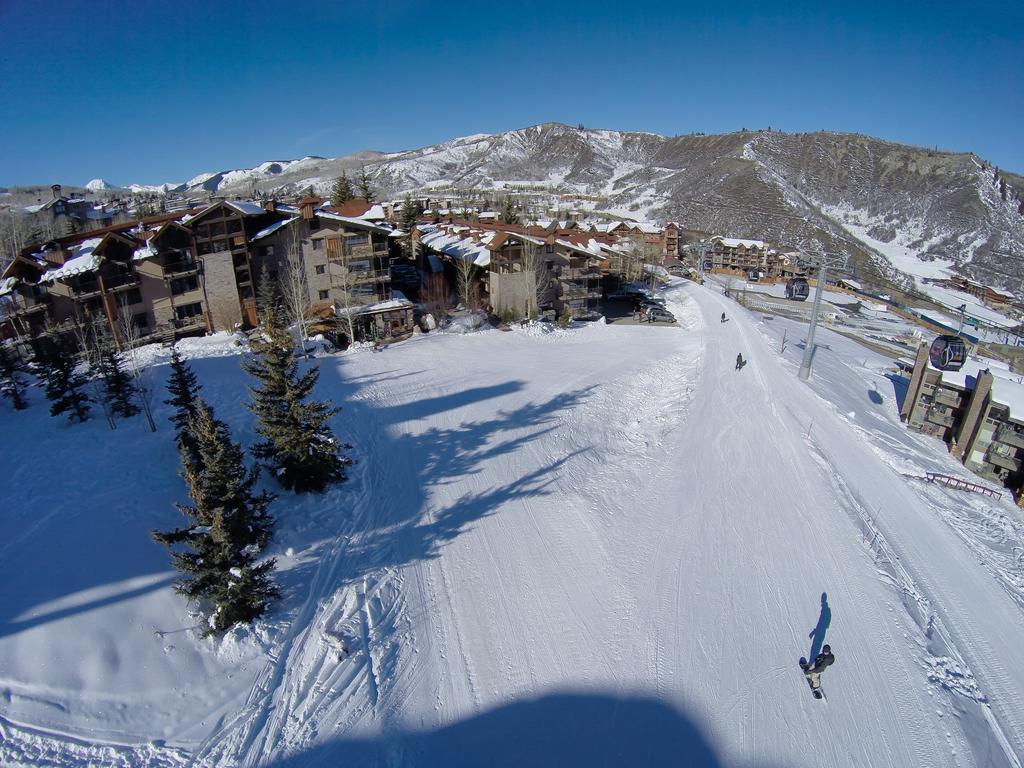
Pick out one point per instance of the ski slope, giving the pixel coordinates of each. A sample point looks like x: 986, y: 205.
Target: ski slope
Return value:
x: 604, y: 546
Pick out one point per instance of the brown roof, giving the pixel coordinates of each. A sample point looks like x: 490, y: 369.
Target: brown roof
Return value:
x: 122, y: 227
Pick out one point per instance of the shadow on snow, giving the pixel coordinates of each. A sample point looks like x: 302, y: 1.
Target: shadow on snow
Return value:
x: 561, y: 729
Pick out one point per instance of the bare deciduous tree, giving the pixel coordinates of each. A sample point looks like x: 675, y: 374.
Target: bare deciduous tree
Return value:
x: 295, y: 286
x: 434, y: 296
x: 131, y: 338
x: 536, y: 268
x: 466, y: 284
x: 343, y: 283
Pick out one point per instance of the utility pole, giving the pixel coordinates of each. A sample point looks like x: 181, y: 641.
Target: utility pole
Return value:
x: 823, y: 261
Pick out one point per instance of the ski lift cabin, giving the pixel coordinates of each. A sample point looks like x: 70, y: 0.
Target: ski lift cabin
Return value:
x: 797, y: 289
x: 948, y: 353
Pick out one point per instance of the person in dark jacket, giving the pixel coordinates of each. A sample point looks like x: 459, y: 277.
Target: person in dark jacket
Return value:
x: 739, y: 361
x: 723, y: 317
x: 821, y: 661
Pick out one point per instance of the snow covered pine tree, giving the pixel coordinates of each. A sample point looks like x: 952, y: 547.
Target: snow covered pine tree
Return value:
x: 228, y: 527
x: 64, y: 383
x: 184, y: 392
x: 298, y: 444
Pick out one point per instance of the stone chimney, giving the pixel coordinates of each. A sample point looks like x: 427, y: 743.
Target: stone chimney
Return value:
x: 270, y: 206
x: 55, y: 189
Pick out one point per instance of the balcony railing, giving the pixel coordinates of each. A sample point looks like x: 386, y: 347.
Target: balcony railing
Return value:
x: 176, y: 268
x: 1006, y: 462
x: 947, y: 397
x: 369, y: 276
x: 1009, y: 436
x: 940, y: 416
x: 117, y: 282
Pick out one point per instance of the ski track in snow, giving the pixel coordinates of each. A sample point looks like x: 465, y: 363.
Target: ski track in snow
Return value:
x: 644, y: 523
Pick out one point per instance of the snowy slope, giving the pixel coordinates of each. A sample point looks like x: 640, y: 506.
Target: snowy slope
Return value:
x: 601, y: 546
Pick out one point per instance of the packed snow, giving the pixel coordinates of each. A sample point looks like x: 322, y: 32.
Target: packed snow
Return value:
x: 602, y: 545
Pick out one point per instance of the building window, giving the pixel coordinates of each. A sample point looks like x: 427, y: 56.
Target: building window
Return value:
x: 268, y: 252
x: 141, y: 320
x: 320, y: 269
x: 132, y: 297
x: 188, y: 310
x: 324, y: 295
x: 182, y: 285
x: 318, y: 245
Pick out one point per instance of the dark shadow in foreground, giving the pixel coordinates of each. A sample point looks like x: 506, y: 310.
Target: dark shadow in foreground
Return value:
x: 556, y: 730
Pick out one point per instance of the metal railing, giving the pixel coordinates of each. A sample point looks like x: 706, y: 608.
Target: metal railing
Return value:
x: 181, y: 267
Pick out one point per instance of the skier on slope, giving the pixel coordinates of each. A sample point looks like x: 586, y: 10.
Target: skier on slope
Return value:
x: 740, y: 361
x: 821, y: 661
x: 723, y: 317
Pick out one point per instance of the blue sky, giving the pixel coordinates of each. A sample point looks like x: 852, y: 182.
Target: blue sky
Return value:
x: 150, y: 91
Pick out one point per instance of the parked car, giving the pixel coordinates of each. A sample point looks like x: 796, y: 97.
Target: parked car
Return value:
x: 658, y: 315
x: 652, y: 301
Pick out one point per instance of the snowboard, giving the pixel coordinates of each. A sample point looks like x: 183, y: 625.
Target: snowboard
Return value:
x: 818, y: 693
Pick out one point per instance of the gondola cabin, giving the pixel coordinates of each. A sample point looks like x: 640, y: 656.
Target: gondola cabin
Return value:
x: 948, y: 353
x: 797, y: 289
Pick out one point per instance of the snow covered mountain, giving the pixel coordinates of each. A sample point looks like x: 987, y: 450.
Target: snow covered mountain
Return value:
x: 100, y: 185
x: 897, y: 210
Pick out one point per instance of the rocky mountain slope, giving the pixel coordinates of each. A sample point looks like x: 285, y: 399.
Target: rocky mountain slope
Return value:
x: 895, y: 209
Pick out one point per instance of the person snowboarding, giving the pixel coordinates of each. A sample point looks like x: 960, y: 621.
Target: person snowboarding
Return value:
x: 813, y: 671
x: 740, y: 362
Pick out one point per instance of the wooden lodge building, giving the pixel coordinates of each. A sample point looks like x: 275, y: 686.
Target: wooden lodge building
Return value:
x: 195, y: 272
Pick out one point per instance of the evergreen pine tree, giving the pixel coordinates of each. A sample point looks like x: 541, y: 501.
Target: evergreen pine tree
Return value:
x: 341, y: 190
x: 118, y: 388
x: 365, y: 187
x: 509, y: 214
x: 64, y: 383
x: 266, y: 292
x: 407, y: 219
x: 11, y: 384
x: 228, y: 526
x: 184, y: 392
x: 298, y: 443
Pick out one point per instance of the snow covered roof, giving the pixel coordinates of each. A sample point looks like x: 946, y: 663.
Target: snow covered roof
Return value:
x: 246, y: 207
x: 968, y: 374
x: 7, y: 285
x: 592, y: 247
x: 463, y: 249
x: 1009, y: 391
x: 384, y: 306
x: 734, y: 242
x: 648, y: 229
x: 354, y: 221
x: 266, y: 231
x: 849, y: 283
x: 145, y: 252
x: 84, y: 260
